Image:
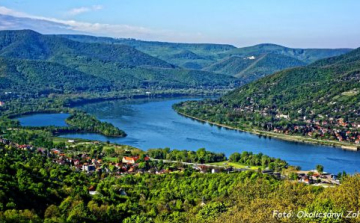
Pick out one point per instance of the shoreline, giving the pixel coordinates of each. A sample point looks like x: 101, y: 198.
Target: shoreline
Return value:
x: 291, y: 138
x: 77, y: 102
x: 299, y: 139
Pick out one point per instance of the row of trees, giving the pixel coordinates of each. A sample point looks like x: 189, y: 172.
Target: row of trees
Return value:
x: 248, y: 158
x: 200, y: 156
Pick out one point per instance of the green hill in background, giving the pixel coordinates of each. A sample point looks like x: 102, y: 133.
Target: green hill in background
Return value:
x: 251, y: 68
x: 32, y: 63
x: 321, y: 100
x: 223, y: 59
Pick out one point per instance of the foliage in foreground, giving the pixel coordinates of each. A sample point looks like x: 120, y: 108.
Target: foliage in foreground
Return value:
x: 35, y: 189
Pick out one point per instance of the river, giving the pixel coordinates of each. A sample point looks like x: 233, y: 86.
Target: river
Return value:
x: 152, y: 123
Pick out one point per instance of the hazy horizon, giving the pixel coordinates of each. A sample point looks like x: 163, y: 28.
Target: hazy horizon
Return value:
x: 304, y: 24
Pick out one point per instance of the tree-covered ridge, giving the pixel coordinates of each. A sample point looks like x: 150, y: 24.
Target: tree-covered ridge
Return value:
x: 222, y: 58
x: 251, y: 63
x: 253, y: 67
x: 34, y: 63
x: 304, y: 55
x: 320, y: 100
x: 31, y: 77
x: 320, y: 85
x: 187, y: 55
x: 46, y: 64
x: 27, y: 44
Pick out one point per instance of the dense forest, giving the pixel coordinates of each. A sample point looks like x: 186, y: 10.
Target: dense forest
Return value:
x: 35, y: 189
x: 31, y: 63
x: 253, y: 67
x: 320, y: 101
x: 222, y: 58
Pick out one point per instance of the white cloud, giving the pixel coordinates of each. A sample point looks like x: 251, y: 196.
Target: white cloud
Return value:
x: 77, y: 11
x: 99, y: 29
x: 7, y: 11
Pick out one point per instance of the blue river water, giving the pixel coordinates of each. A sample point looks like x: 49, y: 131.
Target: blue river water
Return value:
x: 44, y: 119
x: 152, y: 123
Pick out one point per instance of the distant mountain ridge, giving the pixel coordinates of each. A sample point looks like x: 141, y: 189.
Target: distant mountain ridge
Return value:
x: 118, y: 64
x: 31, y: 45
x: 223, y: 59
x: 186, y: 55
x: 306, y: 55
x: 30, y: 58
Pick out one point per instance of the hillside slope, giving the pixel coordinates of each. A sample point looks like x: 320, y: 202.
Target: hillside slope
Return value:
x: 223, y: 59
x: 321, y: 100
x: 251, y: 68
x: 305, y: 55
x: 186, y: 55
x: 251, y: 63
x: 45, y: 62
x: 27, y: 44
x: 45, y: 77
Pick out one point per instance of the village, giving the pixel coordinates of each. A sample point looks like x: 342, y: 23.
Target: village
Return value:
x: 320, y: 128
x: 138, y: 164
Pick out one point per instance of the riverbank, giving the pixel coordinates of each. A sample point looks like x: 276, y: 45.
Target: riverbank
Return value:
x: 292, y: 138
x: 81, y: 101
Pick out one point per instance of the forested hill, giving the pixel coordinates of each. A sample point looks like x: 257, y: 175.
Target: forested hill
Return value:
x: 251, y: 63
x: 32, y: 77
x: 31, y: 62
x: 187, y: 55
x: 251, y: 68
x: 329, y: 86
x: 319, y: 100
x: 27, y: 44
x: 304, y: 55
x: 247, y: 63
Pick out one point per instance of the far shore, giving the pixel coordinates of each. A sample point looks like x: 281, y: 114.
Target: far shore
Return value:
x: 300, y: 139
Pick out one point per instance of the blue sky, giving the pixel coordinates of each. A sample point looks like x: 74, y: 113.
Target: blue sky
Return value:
x: 293, y: 23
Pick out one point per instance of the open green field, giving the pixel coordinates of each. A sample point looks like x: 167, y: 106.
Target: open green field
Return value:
x: 111, y: 159
x: 235, y: 165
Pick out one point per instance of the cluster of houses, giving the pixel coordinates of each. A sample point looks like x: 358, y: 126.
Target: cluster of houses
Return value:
x: 84, y: 162
x: 336, y: 129
x: 314, y: 177
x: 81, y: 162
x: 129, y: 165
x: 325, y: 127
